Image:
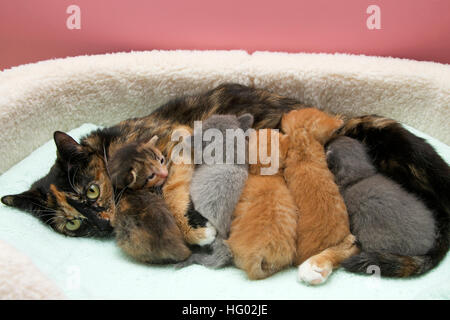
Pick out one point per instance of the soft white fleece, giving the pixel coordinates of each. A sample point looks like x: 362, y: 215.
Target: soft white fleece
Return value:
x: 61, y: 94
x: 20, y: 279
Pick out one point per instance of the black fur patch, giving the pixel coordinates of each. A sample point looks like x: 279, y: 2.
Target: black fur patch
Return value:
x: 195, y: 219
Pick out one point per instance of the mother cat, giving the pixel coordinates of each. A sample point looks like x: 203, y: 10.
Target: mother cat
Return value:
x: 76, y: 197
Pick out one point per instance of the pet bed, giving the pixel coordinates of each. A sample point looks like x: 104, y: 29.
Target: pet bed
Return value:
x: 63, y: 94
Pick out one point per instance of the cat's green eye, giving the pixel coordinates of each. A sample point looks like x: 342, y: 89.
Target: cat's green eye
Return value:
x: 73, y: 225
x: 93, y: 192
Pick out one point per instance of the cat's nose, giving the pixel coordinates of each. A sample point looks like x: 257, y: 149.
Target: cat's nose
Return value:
x: 163, y: 173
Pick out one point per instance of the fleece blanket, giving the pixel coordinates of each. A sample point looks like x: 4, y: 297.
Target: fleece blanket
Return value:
x: 85, y: 268
x: 62, y: 94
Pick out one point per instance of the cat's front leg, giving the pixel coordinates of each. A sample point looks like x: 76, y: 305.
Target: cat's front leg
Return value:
x: 318, y: 268
x: 195, y: 228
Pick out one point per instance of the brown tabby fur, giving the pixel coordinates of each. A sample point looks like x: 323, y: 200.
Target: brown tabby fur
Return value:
x: 146, y: 230
x: 137, y: 165
x: 263, y: 231
x: 323, y: 220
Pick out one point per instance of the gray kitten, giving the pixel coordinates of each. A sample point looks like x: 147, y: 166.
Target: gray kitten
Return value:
x: 388, y: 222
x: 216, y: 188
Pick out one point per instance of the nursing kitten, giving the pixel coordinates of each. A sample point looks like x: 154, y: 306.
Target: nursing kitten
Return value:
x: 216, y: 187
x: 195, y: 228
x: 388, y: 222
x: 137, y: 165
x: 140, y: 165
x: 144, y: 226
x: 413, y: 163
x: 146, y: 230
x: 323, y: 220
x: 263, y: 230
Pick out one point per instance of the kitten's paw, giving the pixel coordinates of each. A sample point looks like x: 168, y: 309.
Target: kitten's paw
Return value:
x: 209, y: 235
x: 310, y: 273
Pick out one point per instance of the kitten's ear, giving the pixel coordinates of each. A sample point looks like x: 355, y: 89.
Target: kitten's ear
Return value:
x: 124, y: 180
x: 286, y: 120
x: 68, y: 149
x: 245, y: 121
x: 31, y: 201
x: 153, y: 141
x: 330, y: 129
x: 284, y: 145
x: 130, y: 179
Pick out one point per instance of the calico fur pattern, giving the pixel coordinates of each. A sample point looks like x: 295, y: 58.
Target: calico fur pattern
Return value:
x: 59, y: 197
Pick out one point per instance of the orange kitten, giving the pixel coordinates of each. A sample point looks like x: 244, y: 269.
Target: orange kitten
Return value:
x: 263, y: 231
x: 323, y: 220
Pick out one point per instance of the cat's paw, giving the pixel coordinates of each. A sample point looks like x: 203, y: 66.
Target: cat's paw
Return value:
x: 209, y: 235
x: 311, y: 273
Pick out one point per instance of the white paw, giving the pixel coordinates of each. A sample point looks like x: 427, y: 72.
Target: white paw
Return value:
x: 210, y: 235
x: 310, y: 273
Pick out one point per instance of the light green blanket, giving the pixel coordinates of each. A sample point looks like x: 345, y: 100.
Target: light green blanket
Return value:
x: 96, y: 269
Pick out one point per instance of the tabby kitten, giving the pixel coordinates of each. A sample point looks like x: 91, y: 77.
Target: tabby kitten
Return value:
x: 388, y: 222
x: 263, y: 231
x: 140, y: 165
x: 323, y: 220
x: 216, y: 187
x: 143, y: 224
x: 146, y: 230
x: 137, y: 165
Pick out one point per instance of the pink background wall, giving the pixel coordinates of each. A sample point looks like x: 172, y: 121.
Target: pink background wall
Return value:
x: 36, y: 30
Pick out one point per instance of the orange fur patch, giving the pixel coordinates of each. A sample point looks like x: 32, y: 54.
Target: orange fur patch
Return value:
x: 323, y: 219
x: 263, y: 231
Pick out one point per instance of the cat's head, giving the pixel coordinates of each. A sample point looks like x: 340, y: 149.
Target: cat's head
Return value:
x: 268, y: 143
x: 76, y: 198
x: 218, y: 131
x: 348, y: 160
x: 319, y: 124
x: 137, y: 165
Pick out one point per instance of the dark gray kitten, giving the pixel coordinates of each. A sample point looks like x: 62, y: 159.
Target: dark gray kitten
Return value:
x: 388, y: 222
x: 216, y: 187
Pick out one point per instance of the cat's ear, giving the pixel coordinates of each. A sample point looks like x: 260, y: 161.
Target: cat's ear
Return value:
x: 245, y: 121
x: 130, y: 178
x: 69, y: 150
x: 124, y: 179
x: 31, y: 201
x: 284, y: 145
x: 152, y: 142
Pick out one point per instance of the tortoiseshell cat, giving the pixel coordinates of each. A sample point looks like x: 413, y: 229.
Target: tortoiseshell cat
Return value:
x: 323, y: 222
x: 76, y: 197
